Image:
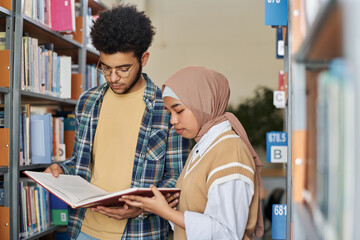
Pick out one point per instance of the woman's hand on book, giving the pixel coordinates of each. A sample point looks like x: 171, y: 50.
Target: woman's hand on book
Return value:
x: 172, y: 199
x: 55, y: 170
x: 157, y: 204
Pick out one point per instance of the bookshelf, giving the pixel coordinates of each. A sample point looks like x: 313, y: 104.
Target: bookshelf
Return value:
x: 16, y: 24
x: 324, y: 68
x: 6, y: 26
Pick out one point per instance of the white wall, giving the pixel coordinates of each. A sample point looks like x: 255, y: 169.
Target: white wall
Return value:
x: 228, y: 36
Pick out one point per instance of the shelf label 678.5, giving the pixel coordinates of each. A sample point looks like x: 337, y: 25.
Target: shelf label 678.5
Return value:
x: 277, y: 137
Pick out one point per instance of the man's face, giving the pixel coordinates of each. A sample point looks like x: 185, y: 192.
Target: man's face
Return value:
x: 125, y: 71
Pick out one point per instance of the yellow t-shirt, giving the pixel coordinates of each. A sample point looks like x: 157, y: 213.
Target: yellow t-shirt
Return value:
x: 113, y: 155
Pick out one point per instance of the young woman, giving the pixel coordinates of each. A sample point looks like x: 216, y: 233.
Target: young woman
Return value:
x: 220, y: 183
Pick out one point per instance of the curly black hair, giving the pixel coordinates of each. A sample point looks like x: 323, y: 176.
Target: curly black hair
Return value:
x: 122, y: 29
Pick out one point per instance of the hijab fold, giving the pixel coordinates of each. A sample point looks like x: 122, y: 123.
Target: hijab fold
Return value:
x: 206, y: 93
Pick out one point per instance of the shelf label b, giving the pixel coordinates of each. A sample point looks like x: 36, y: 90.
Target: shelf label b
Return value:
x: 276, y: 147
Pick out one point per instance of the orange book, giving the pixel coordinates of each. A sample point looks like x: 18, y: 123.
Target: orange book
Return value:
x: 4, y: 147
x: 76, y: 86
x: 4, y: 68
x: 69, y: 136
x: 6, y: 4
x: 79, y: 31
x: 298, y: 164
x: 4, y: 222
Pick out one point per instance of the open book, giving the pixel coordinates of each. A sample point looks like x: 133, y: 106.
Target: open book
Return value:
x: 77, y: 192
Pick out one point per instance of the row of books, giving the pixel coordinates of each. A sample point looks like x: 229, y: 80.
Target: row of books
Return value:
x: 39, y: 209
x: 35, y: 213
x: 93, y: 77
x: 2, y: 118
x: 45, y: 138
x: 335, y: 106
x: 90, y: 21
x: 64, y: 19
x: 44, y: 71
x: 2, y: 40
x: 59, y: 15
x: 2, y: 200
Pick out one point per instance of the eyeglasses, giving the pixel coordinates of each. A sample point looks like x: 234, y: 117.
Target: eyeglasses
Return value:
x: 122, y: 72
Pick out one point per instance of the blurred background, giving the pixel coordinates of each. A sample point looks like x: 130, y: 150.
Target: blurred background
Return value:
x: 228, y: 36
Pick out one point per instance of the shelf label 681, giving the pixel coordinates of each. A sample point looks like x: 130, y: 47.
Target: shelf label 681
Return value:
x: 278, y: 229
x: 273, y: 1
x: 280, y: 210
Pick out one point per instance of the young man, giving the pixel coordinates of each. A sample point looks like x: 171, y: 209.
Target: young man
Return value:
x: 123, y: 133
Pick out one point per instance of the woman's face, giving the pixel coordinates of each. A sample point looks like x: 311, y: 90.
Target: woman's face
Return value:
x: 182, y: 118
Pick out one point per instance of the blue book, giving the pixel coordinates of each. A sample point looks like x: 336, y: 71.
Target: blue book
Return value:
x: 56, y: 203
x: 69, y: 124
x: 21, y: 139
x: 1, y: 195
x: 41, y: 139
x: 2, y: 119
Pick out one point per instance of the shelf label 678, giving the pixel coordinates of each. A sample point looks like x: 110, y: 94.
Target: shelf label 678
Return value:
x: 276, y: 12
x: 273, y: 1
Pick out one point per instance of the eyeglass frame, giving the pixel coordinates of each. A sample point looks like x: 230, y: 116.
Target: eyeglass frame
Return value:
x: 111, y: 70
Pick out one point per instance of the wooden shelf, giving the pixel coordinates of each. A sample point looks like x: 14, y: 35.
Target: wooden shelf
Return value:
x: 4, y: 170
x: 41, y: 99
x: 4, y: 90
x: 43, y: 233
x: 45, y: 34
x: 324, y: 40
x: 92, y: 51
x: 37, y: 166
x: 34, y: 166
x: 92, y: 56
x: 273, y: 172
x: 96, y: 6
x: 4, y: 12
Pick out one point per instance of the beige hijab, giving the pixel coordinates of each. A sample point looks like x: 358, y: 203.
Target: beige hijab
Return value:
x: 206, y: 93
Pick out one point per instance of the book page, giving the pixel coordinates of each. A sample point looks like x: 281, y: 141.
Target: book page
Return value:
x: 71, y: 187
x: 112, y: 199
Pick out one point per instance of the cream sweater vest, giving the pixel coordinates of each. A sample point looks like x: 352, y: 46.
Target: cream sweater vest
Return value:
x: 226, y: 159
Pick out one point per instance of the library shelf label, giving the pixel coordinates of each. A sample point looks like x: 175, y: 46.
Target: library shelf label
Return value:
x: 276, y: 12
x: 279, y: 99
x: 278, y: 230
x: 276, y: 147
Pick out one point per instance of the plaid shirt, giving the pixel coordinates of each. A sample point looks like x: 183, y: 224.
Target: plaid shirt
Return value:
x: 159, y: 159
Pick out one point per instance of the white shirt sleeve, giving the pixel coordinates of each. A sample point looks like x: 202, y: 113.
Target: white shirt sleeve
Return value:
x: 226, y: 213
x: 171, y: 225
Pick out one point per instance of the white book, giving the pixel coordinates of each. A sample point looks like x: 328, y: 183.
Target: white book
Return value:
x: 77, y: 192
x: 65, y: 77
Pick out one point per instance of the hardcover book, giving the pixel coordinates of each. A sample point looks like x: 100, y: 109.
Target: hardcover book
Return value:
x: 63, y: 15
x: 77, y: 192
